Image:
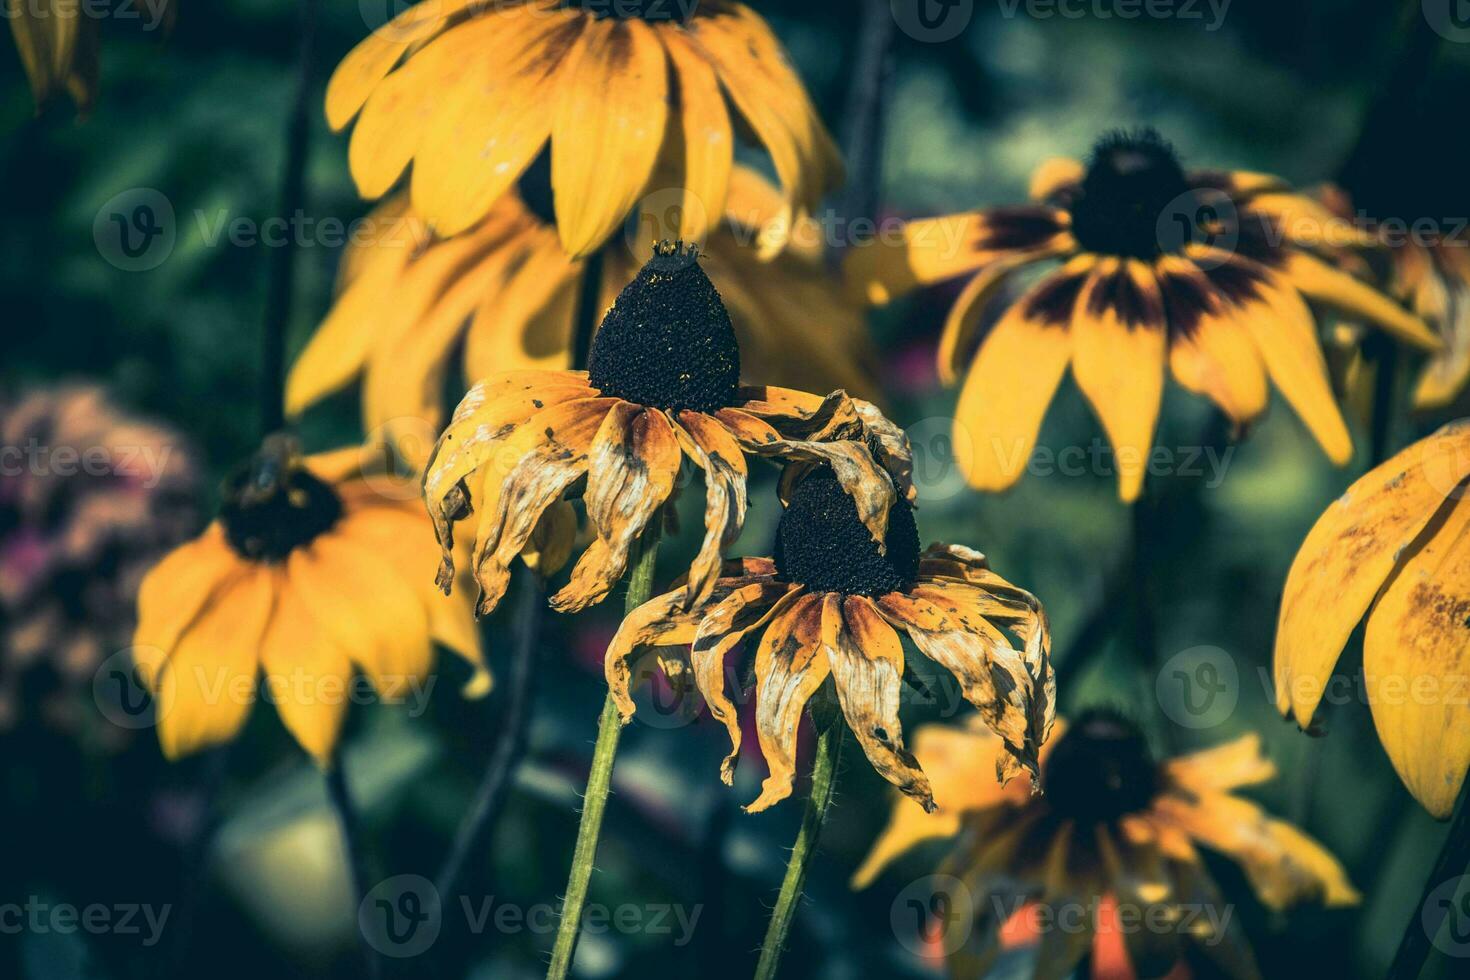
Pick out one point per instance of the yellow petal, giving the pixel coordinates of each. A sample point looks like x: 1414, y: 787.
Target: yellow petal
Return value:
x: 1013, y: 378
x: 610, y: 113
x: 488, y: 127
x: 964, y: 319
x: 1054, y: 175
x: 1118, y: 360
x: 308, y: 678
x: 1211, y: 352
x: 790, y: 665
x: 708, y: 142
x: 175, y: 591
x: 1416, y: 663
x: 1348, y: 556
x: 208, y: 686
x: 1323, y: 284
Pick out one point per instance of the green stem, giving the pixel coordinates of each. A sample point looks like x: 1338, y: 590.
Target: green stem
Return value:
x: 358, y: 874
x: 1425, y: 919
x: 824, y: 771
x: 599, y: 779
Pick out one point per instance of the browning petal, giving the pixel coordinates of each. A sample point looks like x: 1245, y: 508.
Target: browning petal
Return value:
x: 789, y: 668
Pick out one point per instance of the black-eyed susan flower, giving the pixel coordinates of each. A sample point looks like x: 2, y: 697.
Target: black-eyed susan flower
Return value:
x: 831, y: 604
x: 663, y: 383
x: 503, y: 296
x: 470, y: 91
x: 314, y: 571
x: 1396, y: 549
x: 1206, y: 273
x: 1425, y: 266
x: 1114, y: 828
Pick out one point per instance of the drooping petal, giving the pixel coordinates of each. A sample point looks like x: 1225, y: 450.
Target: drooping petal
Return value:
x: 966, y: 315
x: 1284, y: 865
x: 176, y: 592
x: 631, y: 470
x: 1118, y: 342
x: 490, y: 126
x: 608, y: 126
x: 1013, y: 378
x: 708, y: 141
x: 789, y: 667
x: 307, y: 676
x: 1285, y: 335
x: 723, y: 626
x: 993, y: 676
x: 205, y: 691
x: 1416, y: 662
x: 369, y: 611
x: 866, y: 659
x: 1323, y: 284
x: 1349, y: 554
x: 1211, y: 353
x: 715, y: 450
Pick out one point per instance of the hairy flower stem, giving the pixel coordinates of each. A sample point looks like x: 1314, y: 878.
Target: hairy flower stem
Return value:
x: 824, y: 772
x: 357, y: 863
x: 1427, y: 916
x: 510, y: 740
x: 599, y: 778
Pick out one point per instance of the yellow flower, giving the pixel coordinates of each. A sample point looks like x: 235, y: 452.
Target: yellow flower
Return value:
x: 1428, y: 270
x: 829, y: 604
x: 314, y: 570
x: 663, y: 384
x: 470, y: 91
x: 505, y: 295
x: 1208, y: 272
x: 1396, y: 548
x: 1113, y: 825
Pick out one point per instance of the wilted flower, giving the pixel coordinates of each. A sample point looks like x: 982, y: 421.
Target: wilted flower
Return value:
x: 663, y: 384
x: 830, y: 604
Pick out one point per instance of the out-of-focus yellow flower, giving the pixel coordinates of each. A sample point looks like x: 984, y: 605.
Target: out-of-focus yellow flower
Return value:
x: 470, y: 91
x: 59, y: 41
x: 831, y: 605
x: 503, y: 296
x: 663, y: 384
x: 1396, y: 549
x: 1207, y: 273
x: 314, y: 570
x: 1428, y: 270
x: 1114, y: 828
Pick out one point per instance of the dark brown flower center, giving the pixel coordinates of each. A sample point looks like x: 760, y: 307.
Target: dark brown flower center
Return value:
x: 821, y: 543
x: 667, y: 341
x: 274, y: 505
x: 1134, y: 200
x: 1100, y: 769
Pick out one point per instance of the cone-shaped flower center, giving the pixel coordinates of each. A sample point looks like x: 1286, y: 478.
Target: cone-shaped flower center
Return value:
x: 1100, y: 769
x: 821, y: 543
x: 273, y: 506
x: 667, y: 341
x: 1133, y: 198
x: 653, y: 11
